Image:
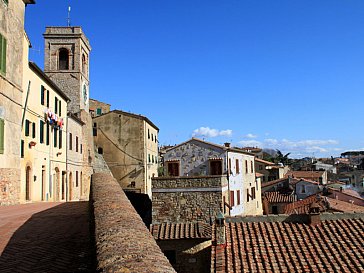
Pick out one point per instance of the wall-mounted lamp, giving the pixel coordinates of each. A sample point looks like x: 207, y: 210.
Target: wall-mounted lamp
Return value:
x: 59, y: 153
x: 31, y: 144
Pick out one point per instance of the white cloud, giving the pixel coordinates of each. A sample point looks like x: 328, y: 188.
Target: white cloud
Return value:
x: 251, y: 136
x: 250, y: 143
x: 208, y: 132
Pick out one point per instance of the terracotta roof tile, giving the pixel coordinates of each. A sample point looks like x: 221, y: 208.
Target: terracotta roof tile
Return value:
x: 276, y: 197
x: 305, y: 174
x: 343, y: 206
x: 302, y: 206
x: 175, y: 231
x: 332, y: 246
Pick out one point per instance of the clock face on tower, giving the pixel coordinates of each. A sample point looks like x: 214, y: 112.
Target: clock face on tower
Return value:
x: 85, y: 95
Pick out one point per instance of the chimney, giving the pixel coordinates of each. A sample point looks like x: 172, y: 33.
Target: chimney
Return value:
x: 220, y: 235
x: 227, y: 144
x: 314, y: 215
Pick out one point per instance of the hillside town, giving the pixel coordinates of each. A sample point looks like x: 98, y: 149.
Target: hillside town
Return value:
x: 195, y: 206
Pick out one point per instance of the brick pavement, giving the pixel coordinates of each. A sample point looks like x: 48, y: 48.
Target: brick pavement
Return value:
x: 46, y: 237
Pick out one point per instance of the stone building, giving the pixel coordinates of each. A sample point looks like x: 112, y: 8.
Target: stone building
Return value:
x: 98, y: 108
x: 66, y: 62
x: 129, y: 143
x: 12, y: 46
x: 186, y: 245
x: 196, y: 169
x: 270, y: 170
x: 43, y: 141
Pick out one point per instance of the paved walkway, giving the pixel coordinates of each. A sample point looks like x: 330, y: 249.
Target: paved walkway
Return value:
x: 45, y: 237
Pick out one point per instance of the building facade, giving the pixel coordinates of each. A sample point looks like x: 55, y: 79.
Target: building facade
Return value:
x: 98, y: 108
x: 200, y: 158
x: 43, y: 142
x: 129, y: 143
x: 12, y: 44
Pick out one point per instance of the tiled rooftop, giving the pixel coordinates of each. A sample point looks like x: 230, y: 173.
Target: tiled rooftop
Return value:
x: 332, y: 246
x: 343, y: 206
x: 302, y: 206
x: 305, y: 174
x: 175, y: 231
x: 276, y: 197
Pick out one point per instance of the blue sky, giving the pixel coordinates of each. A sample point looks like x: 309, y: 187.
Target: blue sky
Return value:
x: 277, y: 74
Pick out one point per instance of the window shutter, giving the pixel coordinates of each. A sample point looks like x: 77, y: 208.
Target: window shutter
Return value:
x: 26, y: 127
x: 33, y: 130
x: 60, y: 139
x: 47, y: 137
x: 47, y: 98
x: 2, y: 132
x: 55, y: 138
x: 41, y: 131
x: 55, y: 105
x: 60, y: 111
x: 1, y: 53
x: 42, y: 94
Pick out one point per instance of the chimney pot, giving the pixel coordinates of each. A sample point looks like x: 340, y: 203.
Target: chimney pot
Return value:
x: 227, y: 144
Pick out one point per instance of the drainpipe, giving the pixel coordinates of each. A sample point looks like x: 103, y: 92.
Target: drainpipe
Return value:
x: 25, y: 105
x: 66, y: 138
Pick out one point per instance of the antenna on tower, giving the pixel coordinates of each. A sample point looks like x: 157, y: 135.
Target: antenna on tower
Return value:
x: 69, y: 15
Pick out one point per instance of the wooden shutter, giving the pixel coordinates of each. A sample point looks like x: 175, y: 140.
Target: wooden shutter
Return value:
x: 60, y: 139
x: 232, y: 198
x: 33, y: 130
x: 41, y: 131
x: 2, y: 54
x: 27, y: 127
x: 42, y: 94
x: 2, y: 132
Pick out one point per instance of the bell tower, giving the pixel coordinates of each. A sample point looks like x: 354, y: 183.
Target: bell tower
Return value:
x: 66, y: 62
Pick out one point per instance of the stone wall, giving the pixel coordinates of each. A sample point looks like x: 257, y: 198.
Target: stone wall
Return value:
x: 9, y: 186
x: 188, y: 199
x: 123, y: 243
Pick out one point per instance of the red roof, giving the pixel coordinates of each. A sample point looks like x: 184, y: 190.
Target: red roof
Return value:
x: 303, y: 206
x: 276, y: 197
x: 175, y: 231
x: 332, y: 246
x: 343, y: 206
x: 305, y: 174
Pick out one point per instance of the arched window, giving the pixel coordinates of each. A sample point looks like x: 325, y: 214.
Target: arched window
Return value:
x: 84, y: 64
x: 63, y: 60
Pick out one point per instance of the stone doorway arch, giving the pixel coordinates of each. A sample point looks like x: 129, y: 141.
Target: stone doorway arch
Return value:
x: 28, y: 175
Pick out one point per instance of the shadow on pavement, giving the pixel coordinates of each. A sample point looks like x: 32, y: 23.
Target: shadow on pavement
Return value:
x: 54, y: 240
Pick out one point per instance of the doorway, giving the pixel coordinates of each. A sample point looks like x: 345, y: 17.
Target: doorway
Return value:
x: 28, y: 171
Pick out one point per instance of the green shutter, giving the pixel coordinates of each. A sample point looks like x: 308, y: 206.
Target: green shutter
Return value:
x: 2, y: 136
x: 47, y: 136
x: 2, y: 54
x: 33, y: 130
x: 47, y: 98
x: 41, y: 132
x: 55, y: 138
x: 27, y: 127
x: 42, y: 94
x: 60, y: 139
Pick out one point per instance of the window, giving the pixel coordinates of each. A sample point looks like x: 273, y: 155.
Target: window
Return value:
x: 215, y: 167
x: 253, y: 193
x: 152, y: 158
x: 173, y: 168
x: 238, y: 197
x: 76, y: 178
x: 232, y: 203
x: 70, y: 141
x: 303, y: 189
x: 237, y: 166
x: 80, y: 148
x: 63, y: 61
x: 33, y: 130
x: 100, y: 150
x: 55, y: 105
x: 98, y: 112
x: 247, y: 195
x: 60, y: 139
x: 148, y: 158
x: 251, y: 167
x: 55, y: 138
x: 152, y: 137
x: 27, y: 124
x: 229, y: 165
x: 246, y: 166
x: 42, y: 94
x: 22, y: 148
x: 47, y: 98
x: 148, y: 134
x: 41, y: 131
x: 2, y: 132
x: 3, y: 53
x: 47, y: 137
x: 274, y: 210
x: 76, y: 143
x: 84, y: 64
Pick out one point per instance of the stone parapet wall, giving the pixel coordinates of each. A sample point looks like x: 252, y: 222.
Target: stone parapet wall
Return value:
x: 189, y: 182
x: 123, y: 243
